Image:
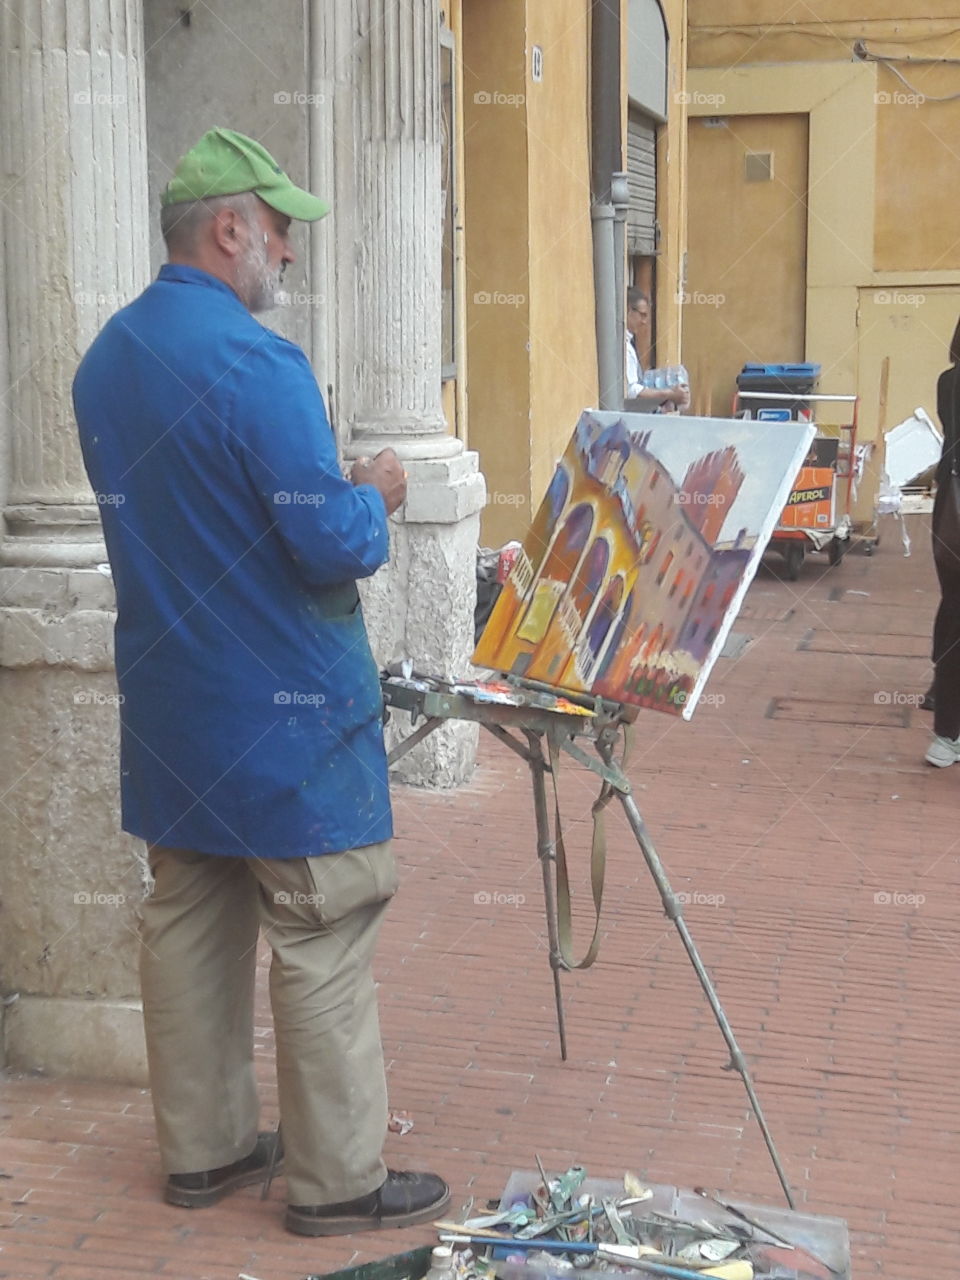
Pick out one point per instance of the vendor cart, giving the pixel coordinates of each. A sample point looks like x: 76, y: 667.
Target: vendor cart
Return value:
x: 817, y: 515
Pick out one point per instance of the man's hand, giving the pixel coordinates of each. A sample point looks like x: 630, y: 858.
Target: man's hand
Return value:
x: 385, y: 474
x: 679, y: 397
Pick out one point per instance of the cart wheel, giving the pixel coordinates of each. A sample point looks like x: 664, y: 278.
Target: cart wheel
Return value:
x: 793, y: 559
x: 837, y: 549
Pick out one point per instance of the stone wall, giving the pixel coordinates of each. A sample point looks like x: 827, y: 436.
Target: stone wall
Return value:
x: 80, y: 239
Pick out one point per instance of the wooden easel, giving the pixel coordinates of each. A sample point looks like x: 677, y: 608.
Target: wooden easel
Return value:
x: 539, y: 736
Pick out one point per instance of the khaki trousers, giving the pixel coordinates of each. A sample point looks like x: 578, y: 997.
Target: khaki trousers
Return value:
x: 199, y: 933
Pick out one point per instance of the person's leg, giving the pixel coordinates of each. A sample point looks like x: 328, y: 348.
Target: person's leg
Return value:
x: 945, y: 689
x: 197, y: 968
x: 946, y: 656
x: 321, y: 916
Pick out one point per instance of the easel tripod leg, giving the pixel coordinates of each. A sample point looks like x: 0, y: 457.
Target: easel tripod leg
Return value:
x: 638, y: 826
x: 547, y: 854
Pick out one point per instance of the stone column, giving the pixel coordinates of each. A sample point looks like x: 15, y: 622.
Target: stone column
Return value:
x: 73, y: 191
x: 383, y: 82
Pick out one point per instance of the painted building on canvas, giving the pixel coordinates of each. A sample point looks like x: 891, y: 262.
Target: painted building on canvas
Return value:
x: 624, y: 582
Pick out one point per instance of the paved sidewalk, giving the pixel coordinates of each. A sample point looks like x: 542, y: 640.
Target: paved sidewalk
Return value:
x: 820, y: 859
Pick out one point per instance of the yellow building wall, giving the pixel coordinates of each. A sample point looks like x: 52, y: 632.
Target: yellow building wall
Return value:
x: 734, y: 311
x: 918, y: 168
x: 739, y: 31
x: 563, y: 358
x: 916, y: 135
x: 528, y: 318
x: 453, y: 391
x: 496, y: 312
x: 672, y: 189
x: 884, y: 180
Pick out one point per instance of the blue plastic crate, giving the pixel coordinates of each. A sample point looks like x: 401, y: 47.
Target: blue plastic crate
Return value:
x: 763, y: 372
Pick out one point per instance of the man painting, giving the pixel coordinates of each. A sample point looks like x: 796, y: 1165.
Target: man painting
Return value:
x: 252, y: 753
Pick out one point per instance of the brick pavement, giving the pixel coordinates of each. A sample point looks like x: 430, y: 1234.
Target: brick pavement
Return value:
x: 786, y: 812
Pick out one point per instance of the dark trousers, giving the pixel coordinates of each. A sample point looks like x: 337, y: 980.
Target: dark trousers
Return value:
x: 946, y: 640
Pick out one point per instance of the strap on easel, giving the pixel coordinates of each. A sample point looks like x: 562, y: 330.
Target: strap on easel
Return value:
x: 598, y: 865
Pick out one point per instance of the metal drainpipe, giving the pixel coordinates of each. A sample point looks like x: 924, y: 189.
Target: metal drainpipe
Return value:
x: 323, y: 356
x: 606, y: 158
x: 620, y: 194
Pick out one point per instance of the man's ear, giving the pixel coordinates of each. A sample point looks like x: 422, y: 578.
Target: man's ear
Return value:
x: 226, y: 232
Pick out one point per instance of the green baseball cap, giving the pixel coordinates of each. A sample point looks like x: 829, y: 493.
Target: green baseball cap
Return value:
x: 224, y: 163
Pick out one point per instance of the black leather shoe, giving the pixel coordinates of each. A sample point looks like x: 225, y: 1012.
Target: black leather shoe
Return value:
x: 198, y: 1190
x: 404, y: 1200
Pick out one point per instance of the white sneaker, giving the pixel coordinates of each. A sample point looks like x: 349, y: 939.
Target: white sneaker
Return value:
x: 943, y: 751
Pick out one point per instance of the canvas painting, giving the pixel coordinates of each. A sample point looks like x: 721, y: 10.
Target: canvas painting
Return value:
x: 640, y: 554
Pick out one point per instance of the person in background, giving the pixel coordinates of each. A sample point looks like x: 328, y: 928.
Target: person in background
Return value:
x: 645, y: 399
x: 945, y: 748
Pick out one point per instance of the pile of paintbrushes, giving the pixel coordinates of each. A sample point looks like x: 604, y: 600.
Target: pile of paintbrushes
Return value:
x: 562, y: 1232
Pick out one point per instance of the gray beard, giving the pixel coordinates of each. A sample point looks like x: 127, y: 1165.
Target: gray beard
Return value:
x: 257, y: 283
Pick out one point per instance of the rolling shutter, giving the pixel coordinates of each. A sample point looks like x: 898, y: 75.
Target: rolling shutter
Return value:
x: 642, y: 178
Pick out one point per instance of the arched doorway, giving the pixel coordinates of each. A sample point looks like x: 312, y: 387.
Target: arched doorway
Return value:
x: 556, y: 574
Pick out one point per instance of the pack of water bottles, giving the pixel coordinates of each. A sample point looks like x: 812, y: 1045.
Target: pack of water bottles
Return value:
x: 672, y: 375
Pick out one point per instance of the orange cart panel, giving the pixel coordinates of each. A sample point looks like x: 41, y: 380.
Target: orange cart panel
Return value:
x: 812, y: 503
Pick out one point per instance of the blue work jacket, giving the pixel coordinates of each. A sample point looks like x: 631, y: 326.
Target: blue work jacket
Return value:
x: 250, y: 709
